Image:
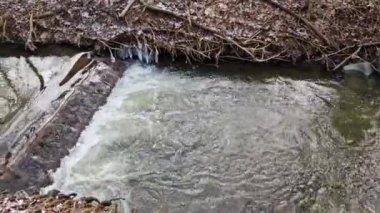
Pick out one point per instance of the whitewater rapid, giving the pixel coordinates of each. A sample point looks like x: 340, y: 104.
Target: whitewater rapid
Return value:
x: 174, y: 141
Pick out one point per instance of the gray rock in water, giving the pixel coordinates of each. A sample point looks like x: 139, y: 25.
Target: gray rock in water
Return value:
x: 365, y: 68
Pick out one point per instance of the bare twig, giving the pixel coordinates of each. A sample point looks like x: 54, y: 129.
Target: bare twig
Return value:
x: 29, y: 43
x: 129, y: 5
x: 5, y: 30
x: 305, y: 21
x: 348, y: 58
x: 188, y: 4
x: 48, y: 14
x: 112, y: 57
x: 167, y: 12
x: 371, y: 44
x: 341, y: 50
x: 238, y: 45
x: 213, y: 31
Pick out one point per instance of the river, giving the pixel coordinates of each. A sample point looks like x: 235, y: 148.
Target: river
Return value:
x: 240, y: 138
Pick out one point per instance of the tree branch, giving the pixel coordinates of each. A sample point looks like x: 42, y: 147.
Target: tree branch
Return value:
x: 348, y: 58
x: 305, y: 21
x: 129, y: 5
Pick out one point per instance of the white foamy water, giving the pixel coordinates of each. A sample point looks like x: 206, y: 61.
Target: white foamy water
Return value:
x: 93, y: 135
x: 27, y: 103
x: 170, y: 142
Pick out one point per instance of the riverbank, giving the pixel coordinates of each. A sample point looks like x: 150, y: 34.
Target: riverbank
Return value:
x: 53, y: 202
x: 332, y: 33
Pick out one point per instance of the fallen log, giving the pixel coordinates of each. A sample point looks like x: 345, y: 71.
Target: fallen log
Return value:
x: 39, y: 136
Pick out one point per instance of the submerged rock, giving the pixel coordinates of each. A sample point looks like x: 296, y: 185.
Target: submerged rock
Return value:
x: 364, y: 68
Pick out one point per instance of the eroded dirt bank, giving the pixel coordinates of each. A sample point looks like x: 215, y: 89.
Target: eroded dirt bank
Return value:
x: 330, y: 32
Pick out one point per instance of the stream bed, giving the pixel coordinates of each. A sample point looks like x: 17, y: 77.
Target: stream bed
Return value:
x: 240, y: 138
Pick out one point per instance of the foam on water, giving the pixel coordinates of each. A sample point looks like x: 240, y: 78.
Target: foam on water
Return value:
x: 93, y: 134
x: 171, y: 141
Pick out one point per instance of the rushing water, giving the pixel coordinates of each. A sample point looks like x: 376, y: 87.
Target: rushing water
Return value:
x: 21, y: 75
x: 238, y: 139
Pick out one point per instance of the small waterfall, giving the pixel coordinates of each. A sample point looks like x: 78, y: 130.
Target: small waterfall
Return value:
x: 193, y: 143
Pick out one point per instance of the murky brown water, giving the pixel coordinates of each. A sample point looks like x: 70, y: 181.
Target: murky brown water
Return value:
x: 237, y: 139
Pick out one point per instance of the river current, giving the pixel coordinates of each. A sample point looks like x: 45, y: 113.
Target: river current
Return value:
x: 236, y: 139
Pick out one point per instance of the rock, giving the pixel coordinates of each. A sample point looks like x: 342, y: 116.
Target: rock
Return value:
x: 53, y: 193
x: 63, y: 196
x: 72, y: 195
x: 106, y: 203
x: 89, y: 199
x: 364, y: 68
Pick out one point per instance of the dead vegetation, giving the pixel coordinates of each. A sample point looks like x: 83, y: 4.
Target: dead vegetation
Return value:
x: 53, y: 202
x: 330, y: 32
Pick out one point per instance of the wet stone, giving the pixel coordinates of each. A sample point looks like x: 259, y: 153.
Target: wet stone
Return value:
x: 364, y: 68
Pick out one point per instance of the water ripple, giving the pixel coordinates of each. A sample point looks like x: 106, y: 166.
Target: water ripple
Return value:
x: 197, y: 144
